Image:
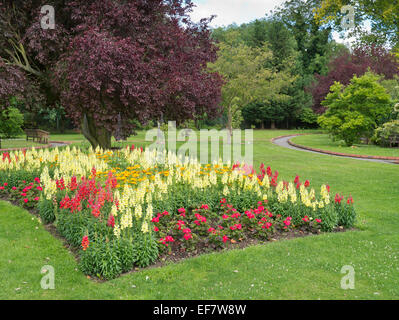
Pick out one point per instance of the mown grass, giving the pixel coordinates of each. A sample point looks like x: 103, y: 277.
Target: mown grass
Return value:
x: 324, y: 142
x: 18, y: 143
x: 303, y: 268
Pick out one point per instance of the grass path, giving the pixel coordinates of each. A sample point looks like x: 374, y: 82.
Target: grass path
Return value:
x: 306, y: 268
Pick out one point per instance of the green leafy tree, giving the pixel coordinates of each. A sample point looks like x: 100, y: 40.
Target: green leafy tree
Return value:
x: 11, y: 121
x: 355, y: 111
x: 248, y: 77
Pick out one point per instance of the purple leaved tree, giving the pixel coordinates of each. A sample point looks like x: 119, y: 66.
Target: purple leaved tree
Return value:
x: 112, y: 63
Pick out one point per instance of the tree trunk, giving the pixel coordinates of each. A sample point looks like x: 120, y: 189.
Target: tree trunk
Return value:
x: 97, y: 136
x: 263, y: 125
x: 273, y: 125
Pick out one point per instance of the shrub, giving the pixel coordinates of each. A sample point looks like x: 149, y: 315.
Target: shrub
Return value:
x: 11, y: 121
x: 308, y: 117
x: 356, y: 110
x: 383, y: 133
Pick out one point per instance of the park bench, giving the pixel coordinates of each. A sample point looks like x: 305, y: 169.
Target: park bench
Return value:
x: 41, y: 136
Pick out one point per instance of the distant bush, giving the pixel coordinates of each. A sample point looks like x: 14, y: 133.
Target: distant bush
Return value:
x: 356, y: 110
x: 11, y: 121
x: 382, y: 134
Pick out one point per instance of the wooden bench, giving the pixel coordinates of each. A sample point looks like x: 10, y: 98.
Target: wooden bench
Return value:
x: 41, y: 136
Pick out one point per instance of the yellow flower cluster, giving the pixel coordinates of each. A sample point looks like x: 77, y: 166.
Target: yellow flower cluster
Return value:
x: 287, y: 192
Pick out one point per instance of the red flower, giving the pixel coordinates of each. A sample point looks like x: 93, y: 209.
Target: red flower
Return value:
x: 307, y: 183
x: 156, y: 229
x: 205, y: 207
x: 306, y: 219
x: 111, y: 221
x: 225, y: 238
x: 287, y: 221
x: 187, y: 236
x: 318, y: 220
x: 250, y: 215
x: 223, y: 200
x: 37, y: 199
x: 182, y: 212
x: 338, y: 198
x: 85, y: 242
x: 26, y: 200
x: 180, y: 223
x: 296, y: 179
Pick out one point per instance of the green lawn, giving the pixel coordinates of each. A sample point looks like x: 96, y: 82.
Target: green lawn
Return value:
x: 18, y: 143
x: 324, y: 142
x: 306, y: 268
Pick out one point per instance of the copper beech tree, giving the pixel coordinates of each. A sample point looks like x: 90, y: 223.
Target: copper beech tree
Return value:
x: 111, y: 63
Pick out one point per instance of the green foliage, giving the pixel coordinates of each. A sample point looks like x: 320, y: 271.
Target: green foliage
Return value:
x: 145, y: 249
x: 308, y: 117
x: 125, y: 254
x: 346, y: 215
x: 46, y: 211
x: 392, y: 87
x: 101, y: 259
x: 249, y: 77
x: 11, y: 121
x: 356, y: 110
x: 382, y: 134
x: 73, y: 226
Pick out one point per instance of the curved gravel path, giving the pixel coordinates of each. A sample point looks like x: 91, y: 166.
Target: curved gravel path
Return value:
x: 283, y: 142
x: 58, y: 144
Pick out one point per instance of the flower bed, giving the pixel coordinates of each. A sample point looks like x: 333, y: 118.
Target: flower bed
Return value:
x: 122, y: 210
